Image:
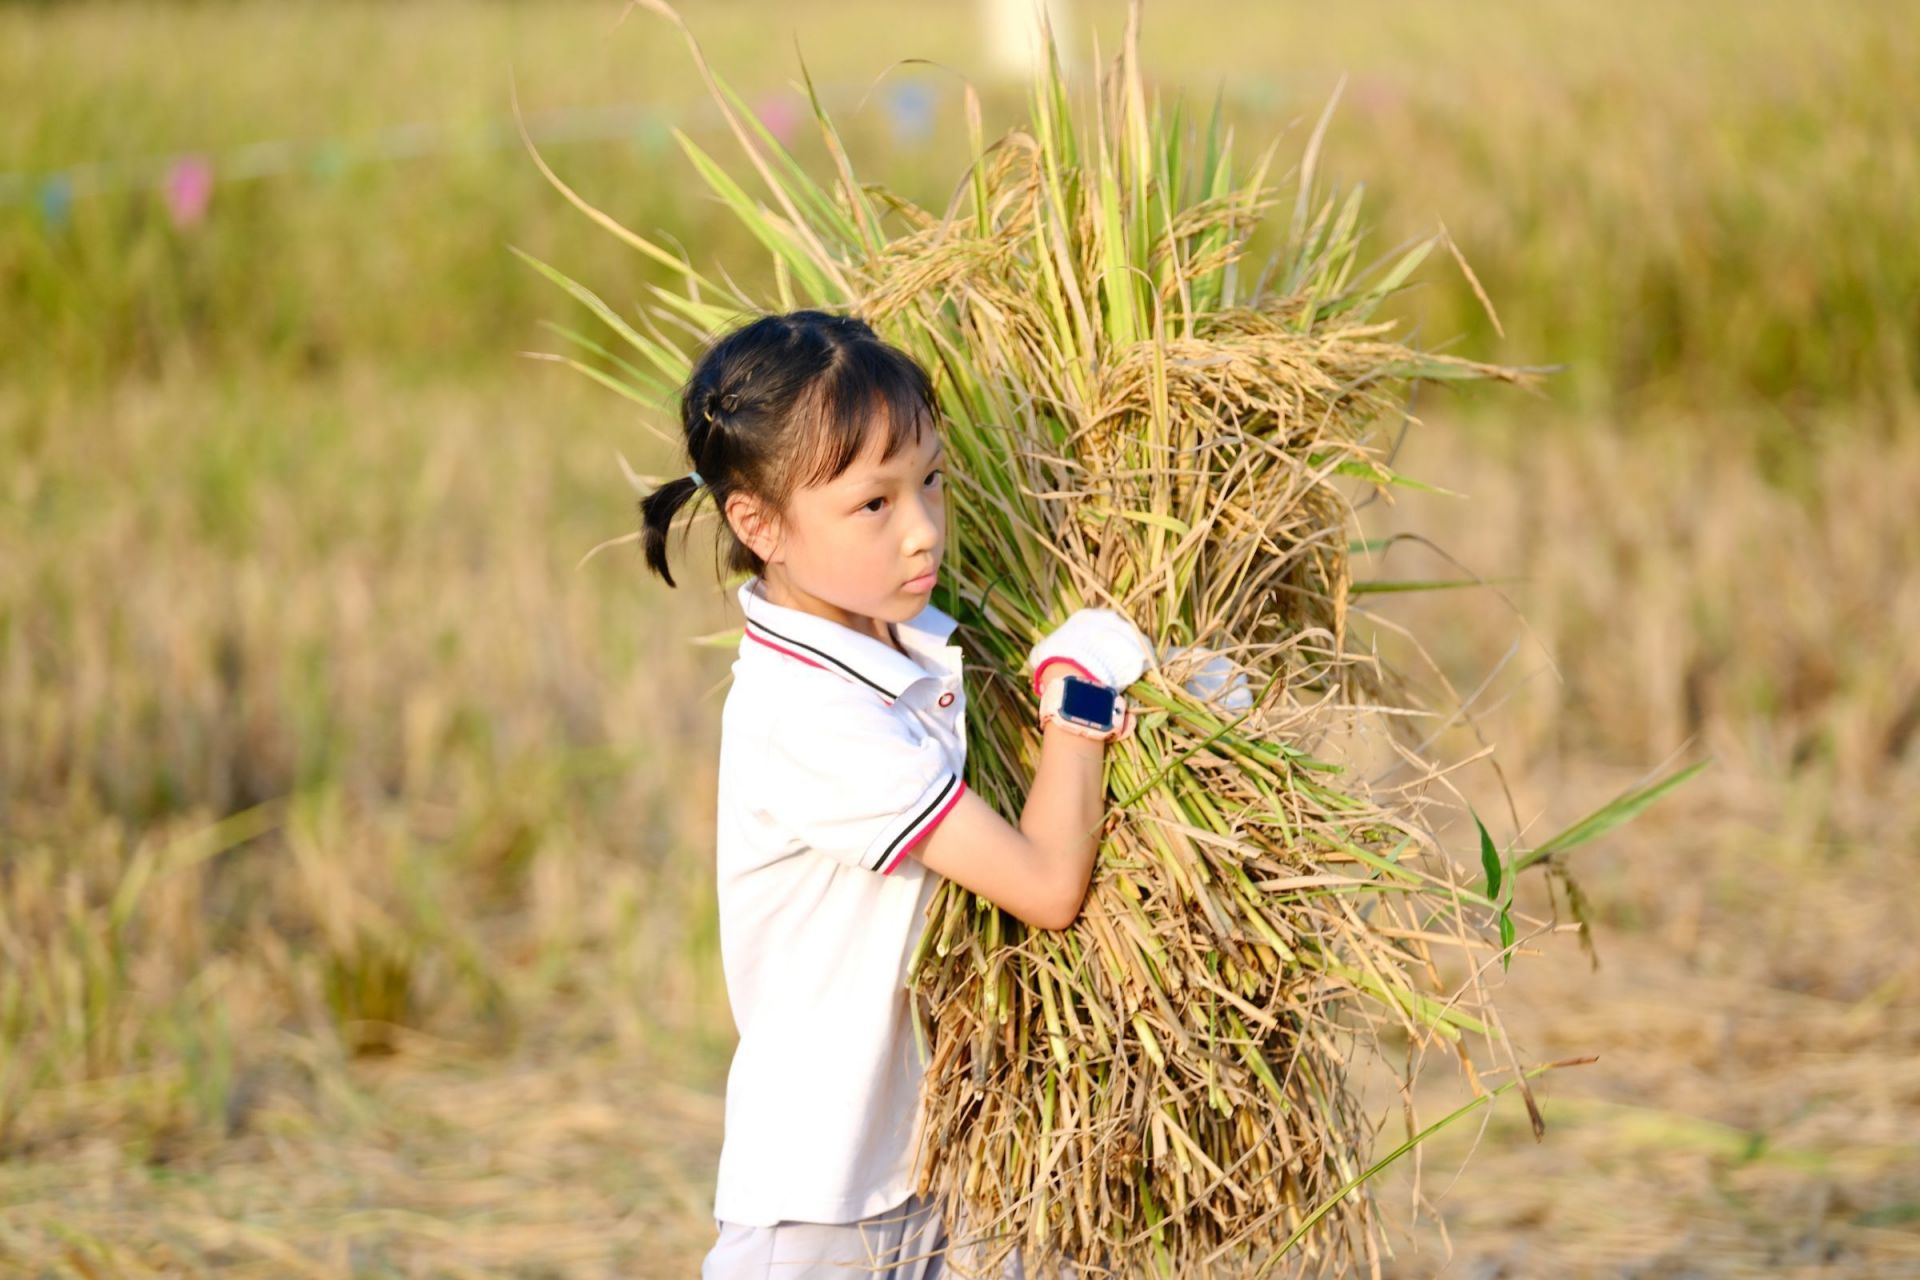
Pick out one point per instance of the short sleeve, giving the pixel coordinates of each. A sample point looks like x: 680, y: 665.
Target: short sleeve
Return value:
x: 855, y: 781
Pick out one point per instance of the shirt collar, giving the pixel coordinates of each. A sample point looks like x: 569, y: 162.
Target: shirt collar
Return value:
x: 847, y: 653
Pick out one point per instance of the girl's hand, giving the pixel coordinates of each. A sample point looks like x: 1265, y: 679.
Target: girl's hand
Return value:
x: 1100, y: 643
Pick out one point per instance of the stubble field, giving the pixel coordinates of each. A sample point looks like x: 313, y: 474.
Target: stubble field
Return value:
x: 355, y: 891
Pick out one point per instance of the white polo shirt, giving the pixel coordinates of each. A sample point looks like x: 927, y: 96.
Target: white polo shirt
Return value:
x: 838, y: 753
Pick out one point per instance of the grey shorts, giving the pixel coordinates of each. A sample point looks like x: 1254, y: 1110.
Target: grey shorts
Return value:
x: 906, y: 1242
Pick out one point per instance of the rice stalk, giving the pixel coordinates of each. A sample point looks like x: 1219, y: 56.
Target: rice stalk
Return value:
x: 1135, y: 423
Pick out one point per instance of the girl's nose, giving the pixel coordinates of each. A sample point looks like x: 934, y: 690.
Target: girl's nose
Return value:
x: 928, y: 531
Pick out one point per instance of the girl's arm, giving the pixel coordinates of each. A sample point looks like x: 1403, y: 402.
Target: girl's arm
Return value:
x: 1038, y: 870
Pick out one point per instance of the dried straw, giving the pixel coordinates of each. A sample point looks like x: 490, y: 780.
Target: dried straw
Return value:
x: 1167, y: 1084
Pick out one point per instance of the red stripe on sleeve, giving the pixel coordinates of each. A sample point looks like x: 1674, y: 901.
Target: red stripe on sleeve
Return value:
x: 925, y: 827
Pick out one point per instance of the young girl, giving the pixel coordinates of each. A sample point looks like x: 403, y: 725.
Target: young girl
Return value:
x: 841, y: 800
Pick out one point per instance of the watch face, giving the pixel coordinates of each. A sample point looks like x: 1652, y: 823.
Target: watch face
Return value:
x: 1089, y: 703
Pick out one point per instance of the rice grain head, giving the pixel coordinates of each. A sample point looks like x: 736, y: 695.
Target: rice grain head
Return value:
x: 1166, y: 1086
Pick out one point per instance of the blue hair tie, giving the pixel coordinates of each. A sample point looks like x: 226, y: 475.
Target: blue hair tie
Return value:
x: 695, y: 477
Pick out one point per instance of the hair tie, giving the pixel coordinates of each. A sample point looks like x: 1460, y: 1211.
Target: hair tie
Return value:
x: 695, y: 477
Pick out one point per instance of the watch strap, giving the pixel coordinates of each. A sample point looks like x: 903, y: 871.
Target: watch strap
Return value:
x: 1077, y: 668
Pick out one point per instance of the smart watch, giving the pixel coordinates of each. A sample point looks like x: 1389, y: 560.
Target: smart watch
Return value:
x: 1086, y: 708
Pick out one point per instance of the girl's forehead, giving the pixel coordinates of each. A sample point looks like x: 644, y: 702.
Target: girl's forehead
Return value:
x: 866, y: 466
x: 867, y: 463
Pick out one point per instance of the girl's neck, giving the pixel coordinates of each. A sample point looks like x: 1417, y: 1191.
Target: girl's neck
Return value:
x: 786, y: 598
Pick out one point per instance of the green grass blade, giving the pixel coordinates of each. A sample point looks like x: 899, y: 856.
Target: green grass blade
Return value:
x: 1321, y: 1210
x: 1607, y: 817
x: 592, y: 301
x: 1382, y: 585
x: 760, y: 223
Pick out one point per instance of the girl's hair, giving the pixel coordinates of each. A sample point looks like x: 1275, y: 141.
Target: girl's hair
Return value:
x: 782, y: 403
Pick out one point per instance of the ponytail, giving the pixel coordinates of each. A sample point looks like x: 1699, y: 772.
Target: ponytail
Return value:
x: 657, y: 510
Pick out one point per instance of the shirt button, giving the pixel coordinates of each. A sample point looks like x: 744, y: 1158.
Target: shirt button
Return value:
x: 946, y: 699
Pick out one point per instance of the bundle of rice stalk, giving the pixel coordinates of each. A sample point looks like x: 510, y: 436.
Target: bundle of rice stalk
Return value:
x: 1169, y: 1084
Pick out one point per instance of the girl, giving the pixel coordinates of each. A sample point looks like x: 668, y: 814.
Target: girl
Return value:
x: 841, y: 802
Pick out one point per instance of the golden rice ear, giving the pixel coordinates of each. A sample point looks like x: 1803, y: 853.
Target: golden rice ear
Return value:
x: 1135, y: 420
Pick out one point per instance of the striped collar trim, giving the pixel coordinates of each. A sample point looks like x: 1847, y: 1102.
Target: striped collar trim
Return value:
x: 847, y: 653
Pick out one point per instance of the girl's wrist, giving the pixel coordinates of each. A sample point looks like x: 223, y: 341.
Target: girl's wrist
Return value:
x: 1050, y: 717
x: 1052, y: 730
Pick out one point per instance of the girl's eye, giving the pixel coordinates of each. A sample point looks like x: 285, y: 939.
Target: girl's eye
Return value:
x: 868, y: 506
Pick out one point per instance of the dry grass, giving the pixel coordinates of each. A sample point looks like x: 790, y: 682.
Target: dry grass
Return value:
x: 449, y: 1002
x: 1140, y: 419
x: 1756, y: 1011
x: 1753, y: 981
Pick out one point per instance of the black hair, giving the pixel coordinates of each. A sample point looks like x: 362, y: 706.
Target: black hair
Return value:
x: 781, y: 403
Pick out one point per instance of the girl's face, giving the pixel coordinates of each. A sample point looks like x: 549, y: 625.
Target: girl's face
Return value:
x: 858, y: 550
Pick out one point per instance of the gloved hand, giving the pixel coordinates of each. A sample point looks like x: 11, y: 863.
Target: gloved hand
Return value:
x: 1216, y: 672
x: 1099, y: 644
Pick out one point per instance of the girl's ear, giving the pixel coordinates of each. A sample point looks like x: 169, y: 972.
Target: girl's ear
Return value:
x: 753, y: 525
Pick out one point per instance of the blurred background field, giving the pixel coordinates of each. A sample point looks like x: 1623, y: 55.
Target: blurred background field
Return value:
x: 355, y: 888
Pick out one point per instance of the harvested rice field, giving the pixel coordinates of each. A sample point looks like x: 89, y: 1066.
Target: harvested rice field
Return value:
x: 356, y: 886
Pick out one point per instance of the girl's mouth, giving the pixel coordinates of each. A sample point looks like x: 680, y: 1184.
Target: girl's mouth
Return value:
x: 923, y: 583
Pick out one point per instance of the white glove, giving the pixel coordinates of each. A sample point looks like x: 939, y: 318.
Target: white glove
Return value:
x: 1213, y: 675
x: 1105, y: 647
